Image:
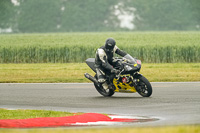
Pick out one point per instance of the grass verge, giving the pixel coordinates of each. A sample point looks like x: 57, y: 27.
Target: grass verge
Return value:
x: 73, y: 72
x: 24, y: 114
x: 168, y: 129
x: 174, y: 129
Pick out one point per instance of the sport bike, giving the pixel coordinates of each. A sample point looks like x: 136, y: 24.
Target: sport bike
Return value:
x: 128, y: 80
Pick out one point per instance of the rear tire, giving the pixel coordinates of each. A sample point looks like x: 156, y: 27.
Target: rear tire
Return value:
x: 102, y: 91
x: 144, y: 87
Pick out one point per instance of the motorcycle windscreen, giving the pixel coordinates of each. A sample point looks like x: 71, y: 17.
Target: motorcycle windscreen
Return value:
x: 130, y: 59
x: 136, y: 63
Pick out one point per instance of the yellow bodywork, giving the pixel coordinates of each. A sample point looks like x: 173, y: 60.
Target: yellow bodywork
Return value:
x: 123, y: 87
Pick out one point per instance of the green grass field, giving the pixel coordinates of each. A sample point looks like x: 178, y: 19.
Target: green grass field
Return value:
x: 74, y: 72
x: 150, y: 47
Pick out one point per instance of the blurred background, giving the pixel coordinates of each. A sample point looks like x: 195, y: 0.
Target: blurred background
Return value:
x: 44, y: 16
x: 84, y: 25
x: 70, y: 31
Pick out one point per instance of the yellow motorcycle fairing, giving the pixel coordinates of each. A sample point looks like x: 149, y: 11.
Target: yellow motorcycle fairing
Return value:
x: 124, y: 87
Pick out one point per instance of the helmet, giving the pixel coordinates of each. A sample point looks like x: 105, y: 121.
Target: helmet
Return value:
x: 110, y: 44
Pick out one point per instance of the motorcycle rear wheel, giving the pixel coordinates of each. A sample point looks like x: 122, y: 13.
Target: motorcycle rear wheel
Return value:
x: 144, y: 87
x: 102, y: 91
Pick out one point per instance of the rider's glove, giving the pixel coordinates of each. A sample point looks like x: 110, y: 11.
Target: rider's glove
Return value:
x: 115, y: 71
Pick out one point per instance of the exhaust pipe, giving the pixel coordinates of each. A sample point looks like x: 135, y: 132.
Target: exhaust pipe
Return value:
x: 91, y: 78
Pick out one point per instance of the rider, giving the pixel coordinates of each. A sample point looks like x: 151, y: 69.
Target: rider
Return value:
x: 104, y: 60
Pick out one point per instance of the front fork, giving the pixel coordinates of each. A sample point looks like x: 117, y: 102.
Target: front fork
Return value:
x: 136, y: 81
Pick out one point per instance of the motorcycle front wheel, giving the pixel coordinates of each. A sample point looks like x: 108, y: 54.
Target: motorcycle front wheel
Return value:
x: 144, y: 87
x: 102, y: 91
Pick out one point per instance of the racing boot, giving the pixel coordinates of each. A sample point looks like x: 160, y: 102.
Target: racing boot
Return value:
x: 101, y: 78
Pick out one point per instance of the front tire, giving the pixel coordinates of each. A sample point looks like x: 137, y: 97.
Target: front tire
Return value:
x: 102, y: 91
x: 144, y: 87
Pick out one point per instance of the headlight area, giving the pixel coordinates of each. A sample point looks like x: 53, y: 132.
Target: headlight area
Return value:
x: 128, y: 68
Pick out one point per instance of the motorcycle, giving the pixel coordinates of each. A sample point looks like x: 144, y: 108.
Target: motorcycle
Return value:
x: 128, y: 80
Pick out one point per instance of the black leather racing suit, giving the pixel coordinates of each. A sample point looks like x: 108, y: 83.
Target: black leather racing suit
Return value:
x: 104, y: 61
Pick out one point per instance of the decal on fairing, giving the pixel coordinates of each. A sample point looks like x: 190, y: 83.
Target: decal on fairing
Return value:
x: 124, y: 80
x: 124, y: 85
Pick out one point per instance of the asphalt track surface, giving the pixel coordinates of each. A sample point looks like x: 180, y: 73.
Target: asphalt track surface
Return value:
x: 172, y: 103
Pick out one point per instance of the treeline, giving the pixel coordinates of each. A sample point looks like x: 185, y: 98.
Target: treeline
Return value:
x: 28, y: 16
